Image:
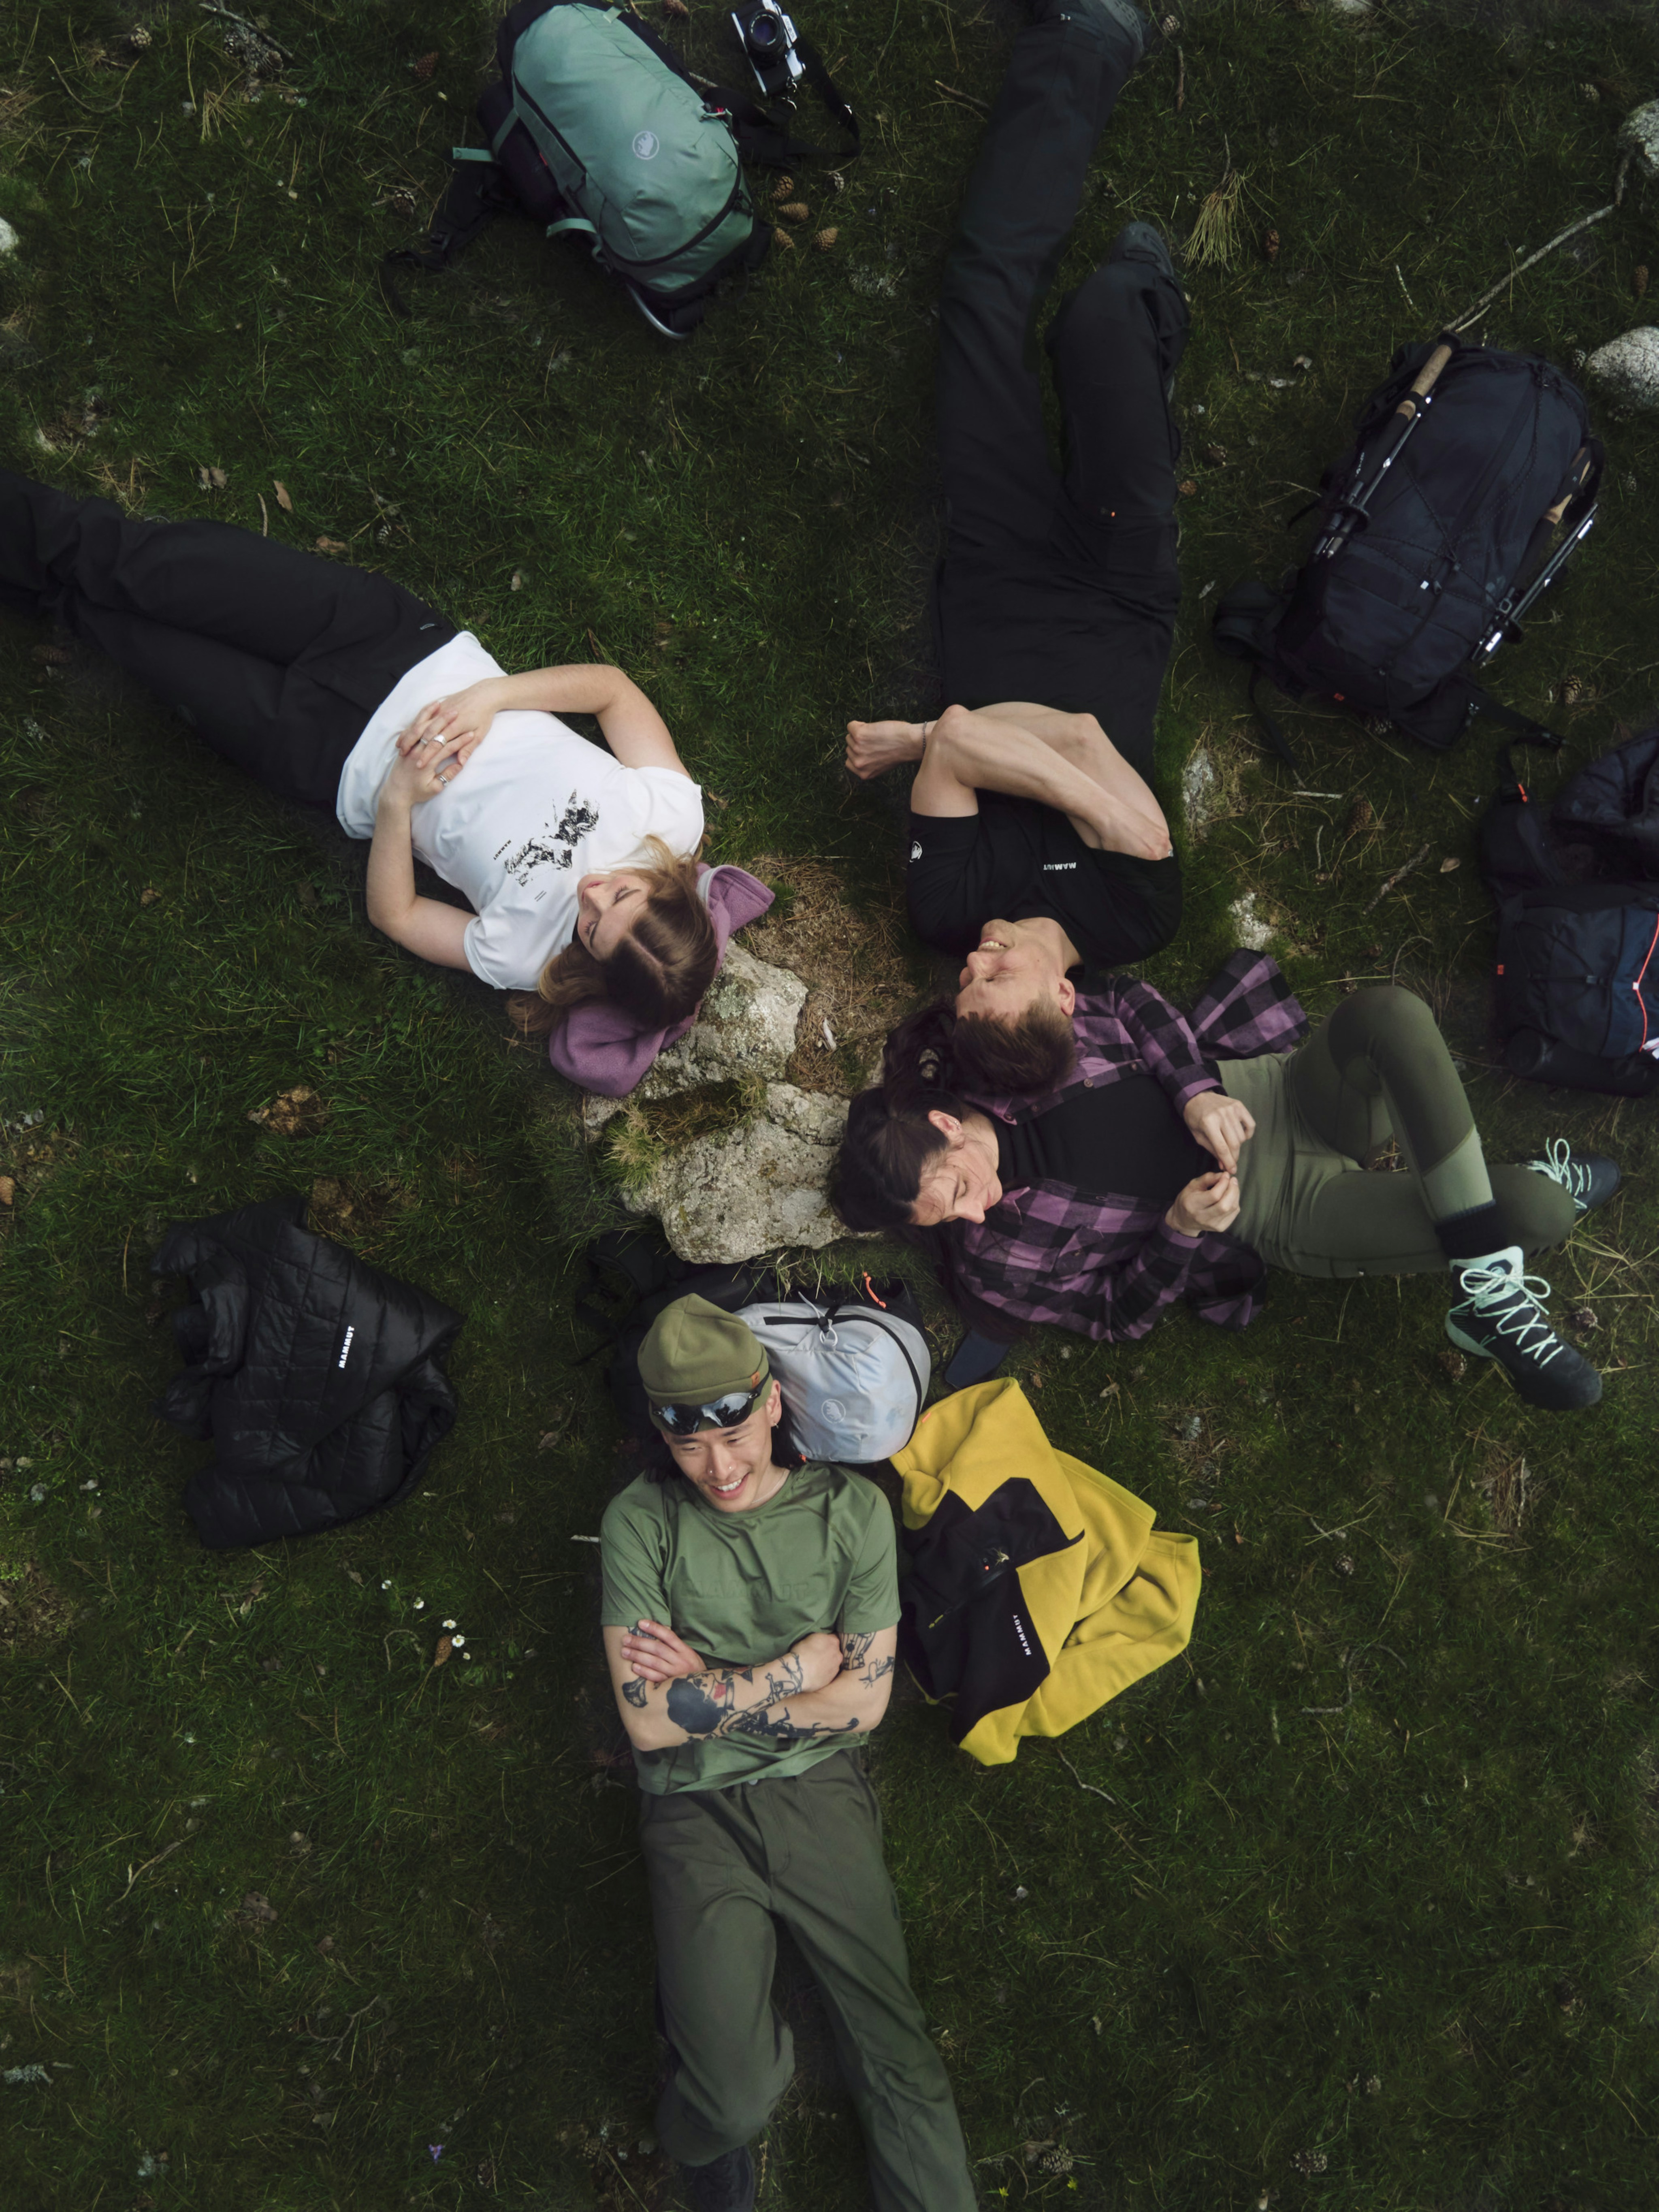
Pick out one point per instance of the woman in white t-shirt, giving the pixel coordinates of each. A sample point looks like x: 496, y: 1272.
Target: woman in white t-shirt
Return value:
x: 335, y: 687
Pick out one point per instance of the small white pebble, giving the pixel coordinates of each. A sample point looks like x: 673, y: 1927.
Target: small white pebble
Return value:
x: 1021, y: 1894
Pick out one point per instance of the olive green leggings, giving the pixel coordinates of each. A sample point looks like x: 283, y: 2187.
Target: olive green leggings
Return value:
x: 1378, y: 1068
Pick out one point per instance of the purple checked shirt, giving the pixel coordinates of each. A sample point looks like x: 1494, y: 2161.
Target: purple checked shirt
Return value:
x: 1106, y: 1265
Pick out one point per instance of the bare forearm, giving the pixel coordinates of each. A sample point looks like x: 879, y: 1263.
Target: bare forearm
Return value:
x: 390, y: 886
x: 631, y: 725
x: 693, y: 1707
x: 1027, y: 757
x: 855, y: 1702
x: 580, y: 688
x: 845, y: 1708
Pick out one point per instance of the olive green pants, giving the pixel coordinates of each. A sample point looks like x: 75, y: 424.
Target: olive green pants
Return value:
x: 1378, y: 1068
x: 805, y: 1848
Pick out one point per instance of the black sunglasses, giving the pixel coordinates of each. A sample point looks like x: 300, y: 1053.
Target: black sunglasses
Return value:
x: 722, y: 1413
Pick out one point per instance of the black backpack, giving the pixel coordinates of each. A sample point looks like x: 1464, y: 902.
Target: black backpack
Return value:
x: 1578, y: 897
x: 1435, y: 539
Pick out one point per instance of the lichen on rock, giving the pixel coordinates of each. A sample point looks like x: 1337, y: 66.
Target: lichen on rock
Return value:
x: 739, y: 1192
x: 744, y: 1033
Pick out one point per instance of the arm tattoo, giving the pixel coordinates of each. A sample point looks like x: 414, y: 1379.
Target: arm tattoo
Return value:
x: 855, y: 1653
x: 698, y: 1702
x: 777, y: 1727
x: 635, y: 1692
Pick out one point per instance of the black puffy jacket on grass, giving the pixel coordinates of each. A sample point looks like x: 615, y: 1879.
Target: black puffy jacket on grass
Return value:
x: 320, y: 1378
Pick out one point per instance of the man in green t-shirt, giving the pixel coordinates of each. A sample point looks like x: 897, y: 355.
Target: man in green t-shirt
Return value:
x: 752, y: 1624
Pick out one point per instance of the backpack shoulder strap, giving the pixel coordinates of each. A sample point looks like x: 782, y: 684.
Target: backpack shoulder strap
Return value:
x: 476, y: 191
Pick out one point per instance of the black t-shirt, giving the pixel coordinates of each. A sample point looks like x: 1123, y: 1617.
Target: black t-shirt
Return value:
x: 1123, y: 1137
x: 1016, y: 860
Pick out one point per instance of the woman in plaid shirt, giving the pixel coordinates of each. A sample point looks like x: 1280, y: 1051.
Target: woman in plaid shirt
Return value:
x: 1181, y: 1157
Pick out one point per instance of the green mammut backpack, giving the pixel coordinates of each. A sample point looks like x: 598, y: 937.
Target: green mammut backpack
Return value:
x: 597, y: 131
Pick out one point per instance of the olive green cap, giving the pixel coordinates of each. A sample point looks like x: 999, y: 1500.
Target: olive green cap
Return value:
x: 696, y: 1352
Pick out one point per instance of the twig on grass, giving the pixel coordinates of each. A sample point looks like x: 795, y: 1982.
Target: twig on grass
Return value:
x: 966, y: 97
x: 1560, y: 238
x: 1093, y: 1790
x: 1347, y: 1667
x: 149, y: 1864
x: 1415, y: 862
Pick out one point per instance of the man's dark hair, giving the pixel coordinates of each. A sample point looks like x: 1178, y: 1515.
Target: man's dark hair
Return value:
x: 1031, y: 1054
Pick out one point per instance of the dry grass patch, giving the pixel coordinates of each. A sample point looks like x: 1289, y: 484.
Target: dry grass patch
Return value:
x: 851, y: 960
x: 33, y: 1612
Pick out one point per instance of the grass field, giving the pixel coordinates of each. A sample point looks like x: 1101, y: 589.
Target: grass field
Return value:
x: 1354, y: 1908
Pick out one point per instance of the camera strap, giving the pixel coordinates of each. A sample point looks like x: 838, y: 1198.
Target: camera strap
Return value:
x: 762, y: 137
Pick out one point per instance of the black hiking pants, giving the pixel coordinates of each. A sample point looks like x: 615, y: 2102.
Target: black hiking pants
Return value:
x: 1057, y: 588
x: 276, y: 658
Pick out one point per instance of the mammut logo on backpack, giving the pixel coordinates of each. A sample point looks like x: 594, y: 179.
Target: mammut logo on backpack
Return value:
x: 646, y: 145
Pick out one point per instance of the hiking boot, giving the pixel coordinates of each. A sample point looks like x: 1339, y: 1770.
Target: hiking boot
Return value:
x: 727, y: 2184
x: 1589, y: 1179
x: 1501, y: 1317
x: 1141, y: 242
x: 1122, y: 14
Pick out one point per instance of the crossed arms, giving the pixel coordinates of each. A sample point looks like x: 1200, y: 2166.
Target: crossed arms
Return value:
x: 437, y: 745
x: 826, y: 1685
x: 1025, y: 751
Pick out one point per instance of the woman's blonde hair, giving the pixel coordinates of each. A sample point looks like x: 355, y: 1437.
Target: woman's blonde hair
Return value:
x: 659, y: 970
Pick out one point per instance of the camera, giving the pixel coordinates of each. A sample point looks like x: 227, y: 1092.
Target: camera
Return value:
x: 769, y: 38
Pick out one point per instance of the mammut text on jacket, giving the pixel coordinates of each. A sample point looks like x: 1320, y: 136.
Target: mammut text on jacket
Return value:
x: 1037, y: 1589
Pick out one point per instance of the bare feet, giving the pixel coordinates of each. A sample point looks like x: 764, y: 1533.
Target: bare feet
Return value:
x: 872, y: 747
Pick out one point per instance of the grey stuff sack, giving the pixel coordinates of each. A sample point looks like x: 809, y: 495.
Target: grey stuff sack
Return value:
x: 649, y: 170
x: 854, y: 1378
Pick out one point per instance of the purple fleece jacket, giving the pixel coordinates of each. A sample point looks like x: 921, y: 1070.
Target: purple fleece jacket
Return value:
x: 597, y: 1045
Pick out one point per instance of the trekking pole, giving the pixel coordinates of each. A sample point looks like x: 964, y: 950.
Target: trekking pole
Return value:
x: 1512, y: 609
x: 1351, y: 512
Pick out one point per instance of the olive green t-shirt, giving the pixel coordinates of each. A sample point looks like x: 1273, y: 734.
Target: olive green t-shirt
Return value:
x: 742, y: 1588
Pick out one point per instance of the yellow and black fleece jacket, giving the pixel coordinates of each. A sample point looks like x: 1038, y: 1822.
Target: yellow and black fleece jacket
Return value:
x: 1037, y: 1590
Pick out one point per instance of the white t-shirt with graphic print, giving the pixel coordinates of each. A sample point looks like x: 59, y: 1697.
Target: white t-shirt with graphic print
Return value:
x: 535, y: 809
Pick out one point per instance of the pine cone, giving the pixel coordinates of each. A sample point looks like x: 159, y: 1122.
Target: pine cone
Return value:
x: 1360, y: 816
x: 783, y: 238
x: 138, y: 38
x: 1570, y: 690
x: 1056, y: 2161
x: 1640, y: 281
x: 678, y: 10
x: 424, y: 67
x: 837, y: 182
x: 1270, y: 246
x: 824, y: 240
x: 795, y: 211
x: 784, y: 186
